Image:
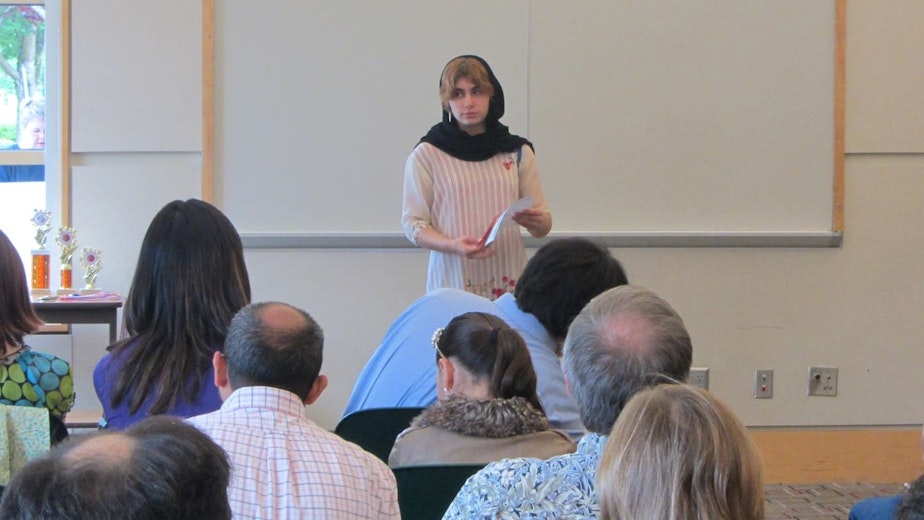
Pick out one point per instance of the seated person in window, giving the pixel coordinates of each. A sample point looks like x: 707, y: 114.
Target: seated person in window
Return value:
x: 31, y: 136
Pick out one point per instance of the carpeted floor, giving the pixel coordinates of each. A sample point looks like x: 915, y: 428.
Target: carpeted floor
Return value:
x: 820, y: 501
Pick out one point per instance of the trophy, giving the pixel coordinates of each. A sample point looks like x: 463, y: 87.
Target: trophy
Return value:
x: 41, y: 257
x: 67, y: 241
x: 91, y: 260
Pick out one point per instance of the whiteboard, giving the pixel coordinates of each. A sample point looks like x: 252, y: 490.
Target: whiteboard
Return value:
x: 162, y: 68
x: 706, y: 117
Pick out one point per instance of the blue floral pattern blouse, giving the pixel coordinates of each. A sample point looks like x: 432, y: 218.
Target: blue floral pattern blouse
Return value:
x: 560, y: 487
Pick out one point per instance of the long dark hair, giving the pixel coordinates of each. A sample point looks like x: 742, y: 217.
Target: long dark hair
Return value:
x: 488, y: 347
x: 17, y: 317
x: 189, y: 283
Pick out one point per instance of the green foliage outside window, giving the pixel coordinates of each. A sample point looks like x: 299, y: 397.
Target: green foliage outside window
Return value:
x: 22, y: 60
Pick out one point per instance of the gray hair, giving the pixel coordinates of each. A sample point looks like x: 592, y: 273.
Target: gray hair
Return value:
x: 280, y: 355
x: 625, y: 339
x: 31, y: 109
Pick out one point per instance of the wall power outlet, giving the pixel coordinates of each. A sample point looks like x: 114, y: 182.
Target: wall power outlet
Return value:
x: 699, y: 376
x: 822, y: 381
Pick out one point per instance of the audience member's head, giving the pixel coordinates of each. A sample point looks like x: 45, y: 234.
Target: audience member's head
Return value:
x: 562, y: 277
x: 189, y: 282
x: 17, y: 317
x: 159, y: 468
x: 31, y: 125
x: 676, y: 453
x: 481, y: 357
x: 272, y: 344
x: 625, y: 339
x: 912, y: 504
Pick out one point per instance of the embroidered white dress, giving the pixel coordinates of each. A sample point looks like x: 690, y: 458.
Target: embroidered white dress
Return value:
x: 461, y: 198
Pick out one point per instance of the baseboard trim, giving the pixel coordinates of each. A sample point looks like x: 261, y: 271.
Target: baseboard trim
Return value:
x: 840, y: 455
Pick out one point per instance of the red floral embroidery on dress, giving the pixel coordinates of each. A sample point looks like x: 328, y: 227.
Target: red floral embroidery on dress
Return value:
x: 507, y: 285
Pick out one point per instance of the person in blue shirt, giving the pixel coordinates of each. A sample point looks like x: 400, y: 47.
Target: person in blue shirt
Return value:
x: 31, y: 136
x: 906, y: 506
x: 557, y: 282
x: 875, y: 508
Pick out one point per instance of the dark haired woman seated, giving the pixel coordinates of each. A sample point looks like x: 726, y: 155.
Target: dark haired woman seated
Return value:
x: 487, y: 408
x: 27, y: 378
x: 189, y: 283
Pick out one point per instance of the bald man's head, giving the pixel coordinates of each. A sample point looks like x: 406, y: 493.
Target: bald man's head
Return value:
x: 158, y: 468
x: 274, y: 344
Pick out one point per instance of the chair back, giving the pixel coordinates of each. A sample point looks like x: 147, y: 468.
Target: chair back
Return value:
x: 425, y: 492
x: 375, y: 429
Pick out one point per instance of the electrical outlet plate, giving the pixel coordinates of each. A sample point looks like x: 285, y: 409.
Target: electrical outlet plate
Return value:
x: 699, y: 376
x: 822, y: 381
x: 763, y: 384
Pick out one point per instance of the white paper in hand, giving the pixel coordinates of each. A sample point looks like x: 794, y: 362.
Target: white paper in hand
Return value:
x: 503, y: 218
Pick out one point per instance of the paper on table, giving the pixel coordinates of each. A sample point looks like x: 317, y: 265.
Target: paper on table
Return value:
x: 503, y: 218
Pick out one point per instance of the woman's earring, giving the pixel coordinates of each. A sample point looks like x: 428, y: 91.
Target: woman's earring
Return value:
x: 447, y: 391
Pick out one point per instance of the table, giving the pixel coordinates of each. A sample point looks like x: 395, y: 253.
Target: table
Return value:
x: 69, y: 312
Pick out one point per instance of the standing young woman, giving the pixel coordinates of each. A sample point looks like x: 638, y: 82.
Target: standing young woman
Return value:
x: 463, y: 173
x: 189, y: 282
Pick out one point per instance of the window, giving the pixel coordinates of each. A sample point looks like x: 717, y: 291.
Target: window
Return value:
x: 22, y: 120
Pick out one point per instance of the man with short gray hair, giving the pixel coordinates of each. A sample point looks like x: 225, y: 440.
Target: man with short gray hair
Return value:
x: 625, y: 339
x: 283, y: 464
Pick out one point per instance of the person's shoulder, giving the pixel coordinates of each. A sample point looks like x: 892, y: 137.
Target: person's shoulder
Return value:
x: 560, y: 436
x: 116, y: 354
x: 526, y: 152
x: 102, y: 366
x: 507, y: 470
x: 422, y: 149
x: 372, y: 467
x: 447, y: 303
x: 202, y: 421
x: 45, y: 359
x: 528, y: 486
x: 875, y: 508
x: 428, y: 152
x: 458, y: 298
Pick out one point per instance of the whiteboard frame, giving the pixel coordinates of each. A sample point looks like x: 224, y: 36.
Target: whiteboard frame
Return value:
x: 832, y: 239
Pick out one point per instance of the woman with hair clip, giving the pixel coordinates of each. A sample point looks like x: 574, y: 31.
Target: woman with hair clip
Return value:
x: 467, y: 170
x: 487, y: 408
x: 678, y: 453
x: 189, y: 282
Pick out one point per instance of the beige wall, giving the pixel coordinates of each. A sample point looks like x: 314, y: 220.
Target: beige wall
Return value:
x: 858, y: 307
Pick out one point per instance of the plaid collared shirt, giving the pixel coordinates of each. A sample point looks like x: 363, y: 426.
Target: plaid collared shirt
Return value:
x: 285, y: 466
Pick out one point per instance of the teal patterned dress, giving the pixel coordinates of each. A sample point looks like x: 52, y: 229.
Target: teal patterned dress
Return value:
x: 36, y: 379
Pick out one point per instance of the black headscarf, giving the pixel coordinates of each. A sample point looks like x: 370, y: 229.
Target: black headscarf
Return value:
x: 496, y: 138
